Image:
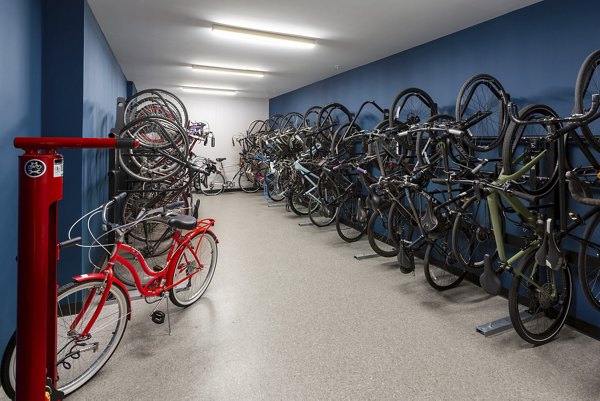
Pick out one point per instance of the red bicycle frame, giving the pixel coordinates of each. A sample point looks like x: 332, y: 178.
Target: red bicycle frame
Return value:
x: 156, y: 286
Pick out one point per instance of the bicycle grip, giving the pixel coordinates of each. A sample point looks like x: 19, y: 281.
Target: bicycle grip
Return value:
x: 126, y: 143
x: 576, y: 189
x: 69, y: 242
x: 439, y: 180
x: 523, y: 195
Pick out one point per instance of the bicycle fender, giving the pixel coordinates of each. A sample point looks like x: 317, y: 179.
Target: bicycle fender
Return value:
x: 99, y: 276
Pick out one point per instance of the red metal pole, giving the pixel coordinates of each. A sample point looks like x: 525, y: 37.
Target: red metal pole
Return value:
x: 40, y: 189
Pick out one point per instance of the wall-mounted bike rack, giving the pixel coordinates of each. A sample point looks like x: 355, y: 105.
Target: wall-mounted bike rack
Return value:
x: 40, y: 189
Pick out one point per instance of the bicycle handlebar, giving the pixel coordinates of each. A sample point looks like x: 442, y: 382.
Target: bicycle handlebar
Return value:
x: 576, y: 189
x: 574, y: 118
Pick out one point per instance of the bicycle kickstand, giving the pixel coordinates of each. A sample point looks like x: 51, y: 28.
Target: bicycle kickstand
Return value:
x: 158, y: 316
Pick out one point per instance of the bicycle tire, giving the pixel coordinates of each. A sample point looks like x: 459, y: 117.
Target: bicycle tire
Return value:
x: 588, y: 265
x: 402, y: 225
x: 299, y: 203
x: 324, y: 211
x: 274, y: 190
x: 472, y: 235
x: 215, y: 185
x: 352, y: 219
x: 380, y: 235
x: 163, y: 150
x: 200, y: 254
x: 528, y: 140
x: 588, y: 83
x: 116, y: 304
x: 330, y: 118
x: 310, y: 117
x: 411, y: 106
x: 141, y: 197
x: 483, y: 93
x: 539, y: 305
x: 156, y: 102
x: 255, y: 175
x: 441, y: 269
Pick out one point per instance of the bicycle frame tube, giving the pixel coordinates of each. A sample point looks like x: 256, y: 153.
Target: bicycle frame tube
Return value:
x: 518, y: 206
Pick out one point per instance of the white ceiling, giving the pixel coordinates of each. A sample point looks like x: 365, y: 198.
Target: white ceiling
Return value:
x: 157, y: 41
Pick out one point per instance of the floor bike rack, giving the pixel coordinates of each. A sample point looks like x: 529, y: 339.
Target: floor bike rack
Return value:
x: 40, y: 189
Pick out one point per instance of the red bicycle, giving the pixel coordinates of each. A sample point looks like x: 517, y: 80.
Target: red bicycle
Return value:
x: 93, y: 309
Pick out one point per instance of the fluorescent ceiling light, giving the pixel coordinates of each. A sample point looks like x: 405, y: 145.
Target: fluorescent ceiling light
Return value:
x: 209, y: 91
x: 266, y: 37
x: 229, y: 71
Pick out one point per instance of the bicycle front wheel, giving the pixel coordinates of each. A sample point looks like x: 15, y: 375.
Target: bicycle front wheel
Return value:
x: 482, y: 101
x: 215, y: 184
x: 194, y: 270
x: 539, y: 300
x: 79, y: 357
x: 523, y: 143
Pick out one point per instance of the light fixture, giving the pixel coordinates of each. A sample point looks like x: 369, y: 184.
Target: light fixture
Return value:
x: 229, y: 71
x: 266, y: 37
x: 209, y: 91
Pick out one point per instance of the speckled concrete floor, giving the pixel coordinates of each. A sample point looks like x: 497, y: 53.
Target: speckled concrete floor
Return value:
x: 291, y: 315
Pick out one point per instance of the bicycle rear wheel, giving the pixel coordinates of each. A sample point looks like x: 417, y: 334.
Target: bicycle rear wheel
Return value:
x: 380, y: 234
x: 473, y: 235
x: 352, y: 219
x: 214, y: 185
x: 79, y: 357
x: 300, y: 203
x: 442, y: 270
x: 253, y: 177
x: 324, y: 211
x: 539, y: 300
x: 411, y: 106
x: 274, y: 188
x: 200, y: 259
x: 482, y: 100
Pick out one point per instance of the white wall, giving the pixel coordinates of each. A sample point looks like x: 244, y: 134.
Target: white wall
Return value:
x: 227, y: 117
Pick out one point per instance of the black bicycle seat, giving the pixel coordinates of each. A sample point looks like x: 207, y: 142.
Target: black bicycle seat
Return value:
x: 182, y: 221
x: 220, y: 159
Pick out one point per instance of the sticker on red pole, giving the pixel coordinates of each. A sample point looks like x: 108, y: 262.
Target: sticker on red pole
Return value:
x: 35, y: 168
x: 58, y: 167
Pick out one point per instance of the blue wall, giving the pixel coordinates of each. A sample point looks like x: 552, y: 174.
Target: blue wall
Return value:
x: 535, y: 53
x: 62, y: 80
x: 20, y: 115
x: 103, y: 83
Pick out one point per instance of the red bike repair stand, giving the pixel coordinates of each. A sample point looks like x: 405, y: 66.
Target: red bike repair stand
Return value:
x: 40, y: 189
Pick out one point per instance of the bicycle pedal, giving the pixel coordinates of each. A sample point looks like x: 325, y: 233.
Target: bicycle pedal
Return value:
x: 158, y: 317
x: 157, y: 268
